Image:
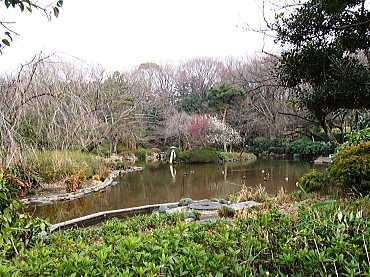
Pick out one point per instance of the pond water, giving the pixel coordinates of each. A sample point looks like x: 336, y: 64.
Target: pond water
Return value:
x: 160, y: 183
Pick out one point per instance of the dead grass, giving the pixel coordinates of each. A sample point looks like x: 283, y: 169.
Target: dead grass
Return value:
x: 283, y: 202
x: 253, y: 193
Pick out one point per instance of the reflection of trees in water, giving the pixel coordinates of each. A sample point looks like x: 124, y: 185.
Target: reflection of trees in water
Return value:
x: 156, y: 185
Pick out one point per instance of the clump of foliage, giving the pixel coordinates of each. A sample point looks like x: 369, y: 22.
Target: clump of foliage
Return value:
x: 53, y: 166
x: 303, y: 146
x: 314, y: 181
x: 236, y: 156
x: 225, y: 211
x: 141, y: 154
x: 17, y: 230
x: 258, y: 194
x: 262, y: 145
x: 13, y: 183
x: 203, y: 155
x: 351, y: 168
x: 75, y: 181
x: 270, y: 244
x: 355, y: 138
x: 27, y: 174
x: 183, y: 156
x: 307, y: 147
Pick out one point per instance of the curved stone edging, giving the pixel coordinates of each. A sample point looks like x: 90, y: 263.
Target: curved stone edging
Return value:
x: 95, y: 218
x: 50, y: 199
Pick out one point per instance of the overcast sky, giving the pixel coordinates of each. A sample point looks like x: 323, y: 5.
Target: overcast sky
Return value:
x: 120, y: 34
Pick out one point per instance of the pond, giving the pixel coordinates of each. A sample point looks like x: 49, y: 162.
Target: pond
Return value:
x: 161, y: 183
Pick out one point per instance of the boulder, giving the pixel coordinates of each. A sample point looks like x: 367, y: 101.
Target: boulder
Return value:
x: 185, y: 201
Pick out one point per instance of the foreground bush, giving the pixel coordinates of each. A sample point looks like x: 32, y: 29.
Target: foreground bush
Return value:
x: 53, y: 166
x: 327, y: 240
x: 351, y: 168
x: 17, y: 231
x: 314, y: 181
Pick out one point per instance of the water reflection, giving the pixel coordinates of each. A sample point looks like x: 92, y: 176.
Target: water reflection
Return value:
x: 168, y: 183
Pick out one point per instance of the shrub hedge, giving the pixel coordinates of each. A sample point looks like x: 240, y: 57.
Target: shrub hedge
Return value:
x: 203, y: 155
x: 303, y: 146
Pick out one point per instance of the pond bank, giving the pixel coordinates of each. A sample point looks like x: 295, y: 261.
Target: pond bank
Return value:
x: 52, y: 198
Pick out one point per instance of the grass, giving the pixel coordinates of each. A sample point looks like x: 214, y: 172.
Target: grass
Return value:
x: 53, y: 166
x: 326, y: 240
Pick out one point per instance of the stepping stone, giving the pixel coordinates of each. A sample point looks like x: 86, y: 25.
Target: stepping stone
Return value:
x: 205, y: 205
x: 176, y: 210
x: 243, y: 205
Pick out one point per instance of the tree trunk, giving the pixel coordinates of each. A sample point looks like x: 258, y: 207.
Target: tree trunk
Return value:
x: 224, y: 115
x: 327, y: 129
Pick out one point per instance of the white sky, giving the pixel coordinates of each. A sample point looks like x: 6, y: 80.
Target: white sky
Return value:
x: 120, y: 34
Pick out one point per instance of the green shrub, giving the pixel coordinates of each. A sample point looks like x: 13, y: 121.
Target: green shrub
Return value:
x: 141, y: 154
x: 7, y: 192
x: 205, y: 155
x: 259, y: 145
x: 17, y: 230
x: 305, y: 146
x: 182, y: 155
x: 314, y: 181
x: 53, y: 166
x: 277, y: 149
x: 351, y: 167
x: 355, y: 138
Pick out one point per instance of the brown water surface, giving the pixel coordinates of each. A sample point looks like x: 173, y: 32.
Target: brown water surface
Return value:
x: 159, y: 183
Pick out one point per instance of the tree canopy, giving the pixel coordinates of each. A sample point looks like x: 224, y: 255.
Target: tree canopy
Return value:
x: 327, y: 61
x: 223, y: 96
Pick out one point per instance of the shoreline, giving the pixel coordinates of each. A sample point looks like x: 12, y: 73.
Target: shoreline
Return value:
x: 59, y: 197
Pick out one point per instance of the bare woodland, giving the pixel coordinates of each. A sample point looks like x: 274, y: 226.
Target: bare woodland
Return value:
x: 52, y: 104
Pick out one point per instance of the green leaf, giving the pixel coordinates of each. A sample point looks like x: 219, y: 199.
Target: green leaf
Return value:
x: 21, y: 6
x: 6, y: 42
x: 56, y: 11
x: 323, y: 203
x: 8, y: 34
